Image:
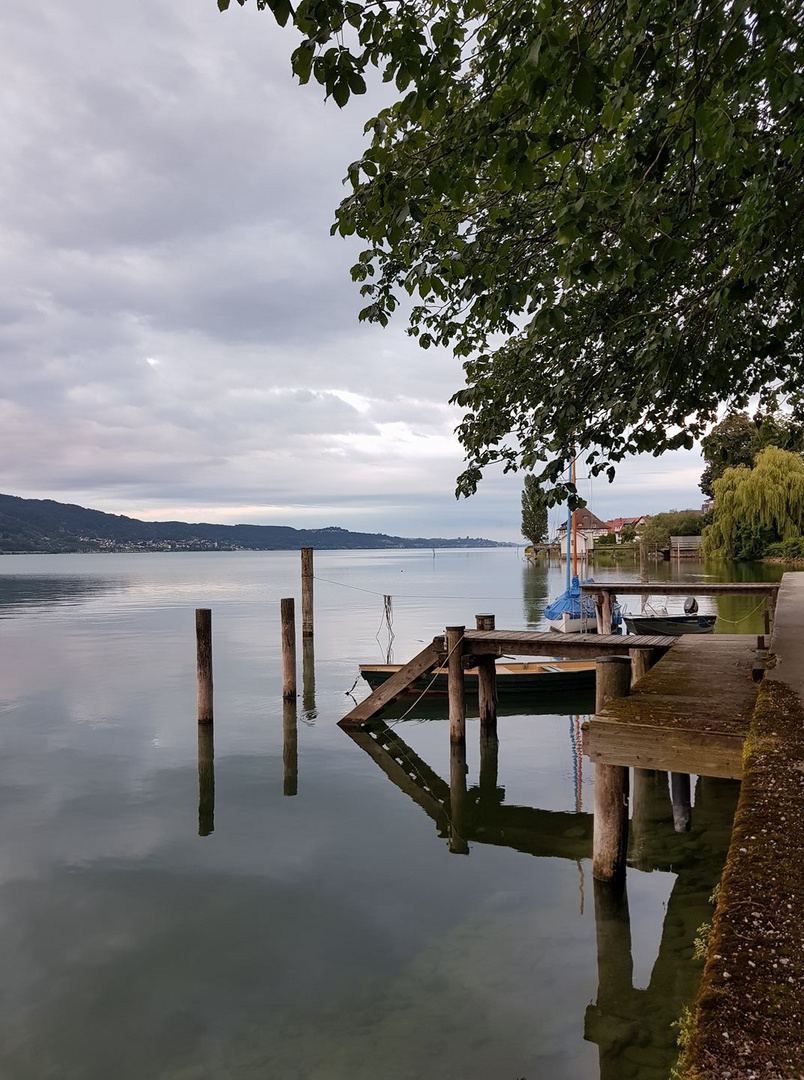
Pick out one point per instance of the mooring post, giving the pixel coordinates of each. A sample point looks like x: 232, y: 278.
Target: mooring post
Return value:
x: 203, y: 644
x: 455, y: 684
x: 307, y: 591
x: 486, y: 682
x: 603, y: 612
x: 290, y: 749
x: 610, y: 836
x: 642, y: 660
x: 288, y: 616
x: 766, y: 621
x: 206, y: 779
x: 681, y: 796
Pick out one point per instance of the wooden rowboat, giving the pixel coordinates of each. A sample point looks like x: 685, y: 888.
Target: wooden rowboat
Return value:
x: 533, y: 676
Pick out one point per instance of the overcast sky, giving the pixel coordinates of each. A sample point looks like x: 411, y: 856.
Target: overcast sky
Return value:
x: 178, y: 329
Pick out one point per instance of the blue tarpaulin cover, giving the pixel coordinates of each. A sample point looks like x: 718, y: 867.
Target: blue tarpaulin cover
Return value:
x: 574, y: 603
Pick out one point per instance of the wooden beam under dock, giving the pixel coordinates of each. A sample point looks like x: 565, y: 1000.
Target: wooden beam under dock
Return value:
x: 682, y: 588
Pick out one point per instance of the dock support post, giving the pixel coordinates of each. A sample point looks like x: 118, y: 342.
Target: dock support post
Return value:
x: 487, y: 701
x: 610, y: 837
x: 290, y: 749
x: 455, y: 684
x: 487, y: 682
x: 307, y: 591
x: 206, y: 779
x: 642, y: 660
x: 680, y: 793
x: 288, y: 614
x: 203, y: 643
x: 603, y: 604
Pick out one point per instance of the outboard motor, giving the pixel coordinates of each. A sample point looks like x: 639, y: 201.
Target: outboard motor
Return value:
x: 690, y: 605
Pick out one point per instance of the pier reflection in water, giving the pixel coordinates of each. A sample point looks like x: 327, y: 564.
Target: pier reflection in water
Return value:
x: 633, y: 1028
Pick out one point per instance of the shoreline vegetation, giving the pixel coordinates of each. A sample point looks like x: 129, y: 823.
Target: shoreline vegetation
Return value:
x: 46, y: 527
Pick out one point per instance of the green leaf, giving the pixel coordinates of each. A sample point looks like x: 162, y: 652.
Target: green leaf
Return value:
x: 583, y: 88
x: 340, y: 91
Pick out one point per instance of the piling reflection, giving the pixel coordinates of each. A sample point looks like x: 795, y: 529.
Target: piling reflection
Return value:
x: 489, y: 760
x: 308, y: 678
x: 680, y: 792
x: 632, y: 1027
x: 290, y: 749
x: 651, y: 814
x: 206, y: 779
x: 458, y: 843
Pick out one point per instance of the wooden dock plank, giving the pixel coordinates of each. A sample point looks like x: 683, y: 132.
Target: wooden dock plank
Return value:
x: 530, y: 643
x: 689, y: 713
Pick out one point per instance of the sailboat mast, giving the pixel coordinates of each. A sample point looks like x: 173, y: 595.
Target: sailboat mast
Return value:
x: 569, y: 536
x: 574, y: 530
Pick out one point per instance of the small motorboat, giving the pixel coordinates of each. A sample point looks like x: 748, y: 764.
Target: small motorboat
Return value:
x: 671, y: 625
x: 513, y: 677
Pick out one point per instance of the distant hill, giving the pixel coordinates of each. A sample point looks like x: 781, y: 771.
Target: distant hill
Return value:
x: 42, y: 525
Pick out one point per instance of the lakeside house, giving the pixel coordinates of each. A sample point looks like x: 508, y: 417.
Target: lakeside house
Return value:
x: 588, y: 528
x: 616, y: 525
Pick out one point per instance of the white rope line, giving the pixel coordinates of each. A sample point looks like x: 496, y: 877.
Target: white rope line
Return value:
x: 414, y: 596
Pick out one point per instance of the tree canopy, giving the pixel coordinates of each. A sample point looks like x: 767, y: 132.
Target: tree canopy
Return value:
x: 757, y: 507
x: 658, y: 529
x: 599, y: 206
x: 738, y: 438
x: 534, y: 511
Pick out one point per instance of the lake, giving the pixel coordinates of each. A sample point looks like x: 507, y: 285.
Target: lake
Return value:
x: 305, y: 919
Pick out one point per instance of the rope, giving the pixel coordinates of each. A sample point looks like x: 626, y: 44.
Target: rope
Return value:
x: 736, y: 622
x: 413, y: 596
x: 407, y: 712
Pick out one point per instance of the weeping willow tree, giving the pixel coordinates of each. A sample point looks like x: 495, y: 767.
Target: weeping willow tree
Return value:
x: 757, y: 507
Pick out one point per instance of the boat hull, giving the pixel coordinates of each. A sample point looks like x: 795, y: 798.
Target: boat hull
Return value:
x: 670, y: 625
x: 525, y: 678
x: 568, y: 625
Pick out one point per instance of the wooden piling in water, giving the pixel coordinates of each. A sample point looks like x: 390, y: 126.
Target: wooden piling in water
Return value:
x: 288, y: 616
x: 307, y: 591
x: 486, y: 681
x: 203, y: 644
x: 610, y: 839
x: 642, y: 660
x: 455, y: 684
x: 603, y: 607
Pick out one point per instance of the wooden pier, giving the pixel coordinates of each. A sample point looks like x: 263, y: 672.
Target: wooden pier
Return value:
x: 477, y: 644
x: 688, y: 714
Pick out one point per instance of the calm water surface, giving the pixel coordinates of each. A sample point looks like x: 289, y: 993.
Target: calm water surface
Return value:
x: 293, y: 910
